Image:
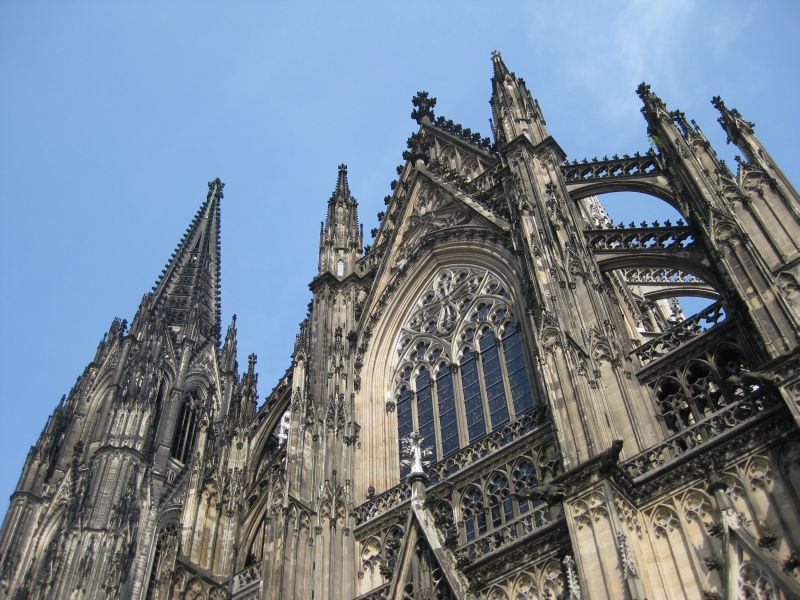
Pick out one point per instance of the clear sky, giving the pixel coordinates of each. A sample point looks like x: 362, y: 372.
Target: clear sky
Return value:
x: 114, y: 115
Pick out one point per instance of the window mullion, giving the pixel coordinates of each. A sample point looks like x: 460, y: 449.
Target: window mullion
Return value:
x: 460, y: 406
x: 414, y: 415
x: 484, y: 393
x: 437, y: 424
x: 501, y: 357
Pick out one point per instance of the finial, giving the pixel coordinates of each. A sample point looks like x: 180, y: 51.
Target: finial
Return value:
x: 342, y: 187
x: 650, y: 99
x: 251, y: 361
x: 500, y: 69
x: 731, y: 119
x: 215, y: 188
x: 643, y: 91
x: 413, y: 455
x: 423, y: 107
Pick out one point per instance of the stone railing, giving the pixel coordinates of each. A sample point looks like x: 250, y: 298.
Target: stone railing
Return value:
x: 713, y: 426
x: 382, y: 503
x: 454, y: 463
x: 527, y: 524
x: 616, y: 166
x: 246, y: 583
x: 488, y: 444
x: 659, y: 275
x: 684, y: 331
x: 641, y: 238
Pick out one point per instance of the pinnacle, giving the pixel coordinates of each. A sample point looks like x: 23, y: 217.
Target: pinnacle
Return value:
x: 500, y: 69
x: 342, y: 187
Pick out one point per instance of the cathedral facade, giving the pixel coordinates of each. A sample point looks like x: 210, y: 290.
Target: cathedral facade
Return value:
x: 499, y: 399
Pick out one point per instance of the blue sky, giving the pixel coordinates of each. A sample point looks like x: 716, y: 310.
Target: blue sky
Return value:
x: 113, y: 116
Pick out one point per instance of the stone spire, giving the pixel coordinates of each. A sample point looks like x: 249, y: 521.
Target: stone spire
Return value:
x: 186, y: 296
x: 341, y: 236
x: 514, y: 110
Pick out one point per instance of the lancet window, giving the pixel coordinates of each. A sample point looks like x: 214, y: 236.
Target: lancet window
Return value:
x: 185, y: 430
x: 462, y: 366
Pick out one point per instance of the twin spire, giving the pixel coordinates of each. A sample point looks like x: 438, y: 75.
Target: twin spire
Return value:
x: 186, y: 297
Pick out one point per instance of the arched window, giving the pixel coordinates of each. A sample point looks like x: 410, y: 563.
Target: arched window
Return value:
x: 163, y: 563
x: 473, y: 510
x: 462, y: 366
x: 185, y: 431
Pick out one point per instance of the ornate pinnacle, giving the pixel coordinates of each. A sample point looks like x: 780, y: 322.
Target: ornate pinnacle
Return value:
x: 215, y: 188
x: 423, y: 107
x: 730, y: 119
x: 342, y: 187
x: 643, y: 91
x: 251, y: 361
x: 413, y: 455
x: 649, y: 98
x: 498, y: 65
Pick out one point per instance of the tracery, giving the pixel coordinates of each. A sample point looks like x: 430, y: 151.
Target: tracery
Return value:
x: 462, y: 370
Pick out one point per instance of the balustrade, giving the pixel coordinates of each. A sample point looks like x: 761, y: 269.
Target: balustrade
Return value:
x: 684, y: 331
x: 515, y: 530
x: 616, y: 166
x: 641, y: 238
x: 757, y: 403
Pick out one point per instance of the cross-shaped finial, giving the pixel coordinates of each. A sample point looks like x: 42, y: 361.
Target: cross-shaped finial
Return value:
x: 413, y: 455
x: 496, y: 54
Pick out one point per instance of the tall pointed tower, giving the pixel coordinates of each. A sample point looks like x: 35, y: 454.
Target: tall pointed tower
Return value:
x: 87, y: 507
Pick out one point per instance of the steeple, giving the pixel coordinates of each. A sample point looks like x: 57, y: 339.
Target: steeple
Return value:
x: 186, y: 296
x: 341, y: 237
x: 514, y: 110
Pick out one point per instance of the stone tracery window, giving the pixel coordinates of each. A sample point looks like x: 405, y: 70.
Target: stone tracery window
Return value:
x: 462, y: 370
x: 185, y: 430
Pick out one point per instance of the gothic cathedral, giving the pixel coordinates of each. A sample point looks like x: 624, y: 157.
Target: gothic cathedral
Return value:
x: 499, y: 399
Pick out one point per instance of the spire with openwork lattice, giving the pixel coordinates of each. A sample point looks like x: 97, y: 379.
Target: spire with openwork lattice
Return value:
x: 186, y: 296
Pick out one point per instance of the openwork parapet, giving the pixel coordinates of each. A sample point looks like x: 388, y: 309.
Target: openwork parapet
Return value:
x: 641, y: 238
x: 684, y: 331
x: 383, y: 503
x: 516, y: 530
x: 759, y: 404
x: 625, y: 166
x: 488, y: 444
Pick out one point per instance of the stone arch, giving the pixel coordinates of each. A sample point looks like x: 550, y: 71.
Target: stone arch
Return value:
x: 685, y: 261
x: 656, y: 186
x: 378, y: 419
